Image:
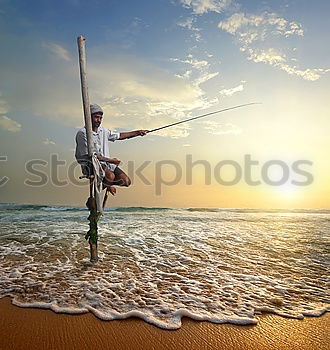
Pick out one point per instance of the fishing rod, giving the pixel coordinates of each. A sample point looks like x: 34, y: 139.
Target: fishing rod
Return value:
x: 204, y: 115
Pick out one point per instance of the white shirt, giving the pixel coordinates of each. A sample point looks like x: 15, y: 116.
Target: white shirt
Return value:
x: 100, y: 144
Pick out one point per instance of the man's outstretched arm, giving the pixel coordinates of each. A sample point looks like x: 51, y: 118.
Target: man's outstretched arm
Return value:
x: 130, y: 134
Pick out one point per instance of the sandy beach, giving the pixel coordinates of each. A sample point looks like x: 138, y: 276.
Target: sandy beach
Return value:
x: 26, y: 328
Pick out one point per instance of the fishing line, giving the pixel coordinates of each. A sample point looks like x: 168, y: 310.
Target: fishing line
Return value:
x: 204, y: 115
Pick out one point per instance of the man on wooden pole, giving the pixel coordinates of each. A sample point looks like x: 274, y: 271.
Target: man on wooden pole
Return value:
x: 92, y: 153
x: 101, y: 136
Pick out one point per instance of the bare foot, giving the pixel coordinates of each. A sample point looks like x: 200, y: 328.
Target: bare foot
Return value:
x: 112, y: 190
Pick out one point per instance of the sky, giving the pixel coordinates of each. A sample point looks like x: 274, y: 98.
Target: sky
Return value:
x: 150, y: 63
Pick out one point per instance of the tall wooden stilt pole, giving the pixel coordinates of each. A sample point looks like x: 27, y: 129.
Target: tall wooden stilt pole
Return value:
x: 93, y: 217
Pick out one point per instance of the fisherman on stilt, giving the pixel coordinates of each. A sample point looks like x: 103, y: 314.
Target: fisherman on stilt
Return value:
x: 113, y: 175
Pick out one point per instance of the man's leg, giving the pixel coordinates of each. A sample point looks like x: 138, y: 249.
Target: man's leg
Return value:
x: 121, y: 179
x: 109, y: 176
x: 117, y: 178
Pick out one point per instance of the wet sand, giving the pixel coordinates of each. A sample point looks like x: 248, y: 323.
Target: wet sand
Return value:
x: 32, y: 329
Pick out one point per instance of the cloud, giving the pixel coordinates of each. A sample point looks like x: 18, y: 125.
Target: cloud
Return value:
x: 216, y: 128
x: 232, y: 91
x: 136, y: 80
x: 188, y: 24
x: 311, y: 74
x: 125, y: 113
x: 58, y: 50
x: 195, y: 63
x: 276, y: 59
x: 136, y: 22
x: 53, y: 94
x: 198, y: 74
x: 205, y: 77
x: 203, y: 6
x: 201, y: 66
x: 4, y: 108
x: 134, y: 92
x: 254, y: 32
x: 250, y: 28
x: 185, y: 75
x: 9, y: 124
x: 270, y: 56
x: 48, y: 142
x: 200, y: 7
x: 144, y: 96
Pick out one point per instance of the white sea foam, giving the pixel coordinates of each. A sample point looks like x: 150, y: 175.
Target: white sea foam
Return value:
x: 162, y: 265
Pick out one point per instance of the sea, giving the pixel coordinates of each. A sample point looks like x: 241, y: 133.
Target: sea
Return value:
x: 163, y: 264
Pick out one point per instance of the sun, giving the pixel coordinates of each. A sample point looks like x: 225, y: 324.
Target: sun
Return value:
x: 287, y: 189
